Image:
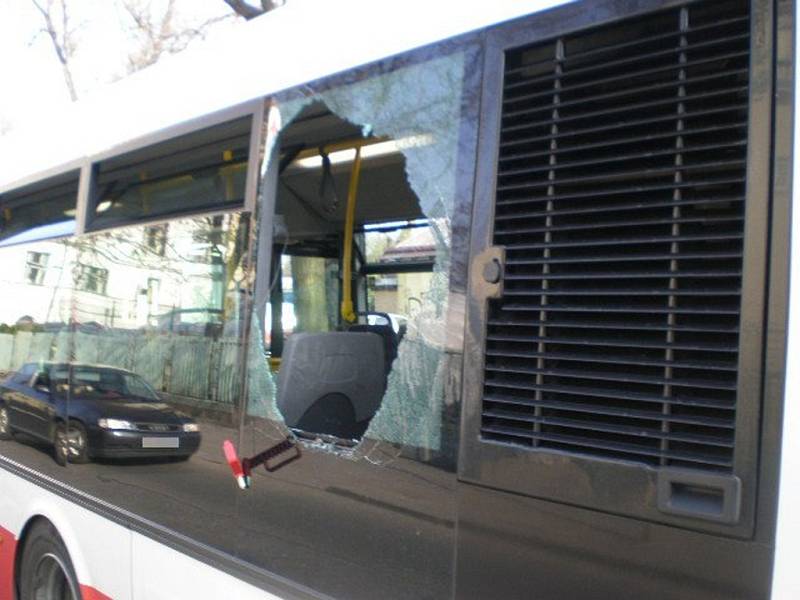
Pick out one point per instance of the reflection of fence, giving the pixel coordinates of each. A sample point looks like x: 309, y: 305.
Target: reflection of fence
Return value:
x: 191, y: 367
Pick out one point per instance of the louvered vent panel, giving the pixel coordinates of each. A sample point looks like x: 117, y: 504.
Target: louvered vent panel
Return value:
x: 620, y: 202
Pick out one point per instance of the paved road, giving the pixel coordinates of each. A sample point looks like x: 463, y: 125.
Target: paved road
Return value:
x: 346, y: 527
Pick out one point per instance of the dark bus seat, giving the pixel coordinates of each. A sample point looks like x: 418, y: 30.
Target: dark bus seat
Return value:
x: 388, y: 336
x: 331, y: 382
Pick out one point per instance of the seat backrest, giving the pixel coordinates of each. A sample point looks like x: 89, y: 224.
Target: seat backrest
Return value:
x: 389, y: 337
x: 320, y: 368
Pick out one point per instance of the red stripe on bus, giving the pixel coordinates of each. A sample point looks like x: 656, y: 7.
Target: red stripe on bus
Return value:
x: 89, y: 593
x: 8, y: 547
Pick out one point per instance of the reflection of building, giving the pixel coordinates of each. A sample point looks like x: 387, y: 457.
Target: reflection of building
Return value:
x: 122, y: 279
x: 403, y: 293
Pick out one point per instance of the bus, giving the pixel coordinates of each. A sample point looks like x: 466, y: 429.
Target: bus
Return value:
x: 405, y: 300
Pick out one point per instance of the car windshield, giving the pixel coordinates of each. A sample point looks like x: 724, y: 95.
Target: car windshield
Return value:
x: 108, y: 384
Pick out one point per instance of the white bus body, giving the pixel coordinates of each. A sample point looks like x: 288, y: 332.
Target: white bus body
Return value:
x: 117, y: 553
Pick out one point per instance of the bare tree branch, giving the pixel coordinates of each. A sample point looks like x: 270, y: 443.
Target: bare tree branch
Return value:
x: 63, y: 39
x: 160, y: 34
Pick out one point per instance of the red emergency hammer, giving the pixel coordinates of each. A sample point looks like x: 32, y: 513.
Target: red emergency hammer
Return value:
x: 242, y: 469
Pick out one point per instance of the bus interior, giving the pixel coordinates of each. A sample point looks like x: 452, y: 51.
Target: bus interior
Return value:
x: 333, y: 345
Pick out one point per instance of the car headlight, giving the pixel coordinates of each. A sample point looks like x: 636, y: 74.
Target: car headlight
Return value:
x: 191, y: 427
x: 116, y: 424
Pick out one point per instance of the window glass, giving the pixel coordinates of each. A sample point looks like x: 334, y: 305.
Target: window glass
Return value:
x: 35, y: 304
x: 410, y: 149
x: 198, y: 172
x: 400, y: 264
x: 36, y: 267
x: 98, y: 383
x: 91, y: 279
x: 42, y: 210
x: 384, y: 479
x: 172, y: 308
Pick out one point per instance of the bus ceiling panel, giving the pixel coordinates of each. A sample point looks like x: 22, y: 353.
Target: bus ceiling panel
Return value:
x: 317, y: 127
x: 383, y: 195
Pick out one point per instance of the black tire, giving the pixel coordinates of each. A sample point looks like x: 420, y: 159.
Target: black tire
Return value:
x: 46, y: 570
x: 74, y: 448
x: 6, y: 433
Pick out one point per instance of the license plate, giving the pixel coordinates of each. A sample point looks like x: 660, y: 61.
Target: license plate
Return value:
x: 160, y: 442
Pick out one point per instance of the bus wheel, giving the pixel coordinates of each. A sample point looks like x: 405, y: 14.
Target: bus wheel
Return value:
x: 46, y: 570
x: 71, y: 445
x: 5, y: 424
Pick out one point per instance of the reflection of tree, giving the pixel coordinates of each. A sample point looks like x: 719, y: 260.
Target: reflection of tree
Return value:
x: 227, y: 244
x: 124, y: 248
x: 156, y: 28
x: 58, y: 28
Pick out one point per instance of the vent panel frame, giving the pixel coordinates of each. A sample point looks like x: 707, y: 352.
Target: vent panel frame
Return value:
x: 612, y: 480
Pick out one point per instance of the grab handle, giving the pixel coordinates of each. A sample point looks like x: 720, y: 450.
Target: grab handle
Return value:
x: 709, y: 496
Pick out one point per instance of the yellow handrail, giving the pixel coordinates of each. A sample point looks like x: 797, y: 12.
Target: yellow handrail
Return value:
x: 347, y: 310
x: 349, y: 144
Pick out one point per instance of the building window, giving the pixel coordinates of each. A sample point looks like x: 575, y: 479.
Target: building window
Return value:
x: 155, y: 239
x: 91, y: 279
x: 35, y: 267
x: 153, y: 287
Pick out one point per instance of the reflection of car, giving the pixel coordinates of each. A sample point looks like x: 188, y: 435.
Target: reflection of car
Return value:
x: 112, y: 413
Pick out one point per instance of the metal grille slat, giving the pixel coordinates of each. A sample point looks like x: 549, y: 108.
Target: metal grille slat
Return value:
x: 620, y: 203
x: 600, y: 444
x: 606, y: 144
x: 631, y: 91
x: 615, y: 125
x: 641, y: 189
x: 611, y: 359
x: 636, y: 42
x: 610, y: 376
x: 613, y: 325
x: 712, y: 423
x: 733, y: 144
x: 622, y: 207
x: 606, y: 112
x: 625, y: 62
x: 629, y: 173
x: 643, y: 432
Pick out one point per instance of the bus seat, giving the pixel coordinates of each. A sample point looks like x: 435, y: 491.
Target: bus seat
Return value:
x: 389, y: 337
x: 331, y: 382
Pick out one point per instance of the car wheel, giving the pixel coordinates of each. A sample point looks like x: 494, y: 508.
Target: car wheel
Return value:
x: 5, y: 424
x: 71, y: 445
x: 46, y: 570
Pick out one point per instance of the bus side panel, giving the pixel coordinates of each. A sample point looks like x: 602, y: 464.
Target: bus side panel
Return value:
x: 160, y: 573
x: 548, y: 551
x: 99, y: 549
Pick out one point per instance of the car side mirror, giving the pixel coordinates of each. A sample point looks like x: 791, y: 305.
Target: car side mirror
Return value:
x: 42, y: 384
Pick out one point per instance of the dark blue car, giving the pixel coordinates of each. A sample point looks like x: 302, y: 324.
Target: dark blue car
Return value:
x: 113, y: 413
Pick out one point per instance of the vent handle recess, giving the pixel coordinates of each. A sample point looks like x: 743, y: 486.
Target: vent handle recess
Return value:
x: 488, y: 270
x: 709, y: 496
